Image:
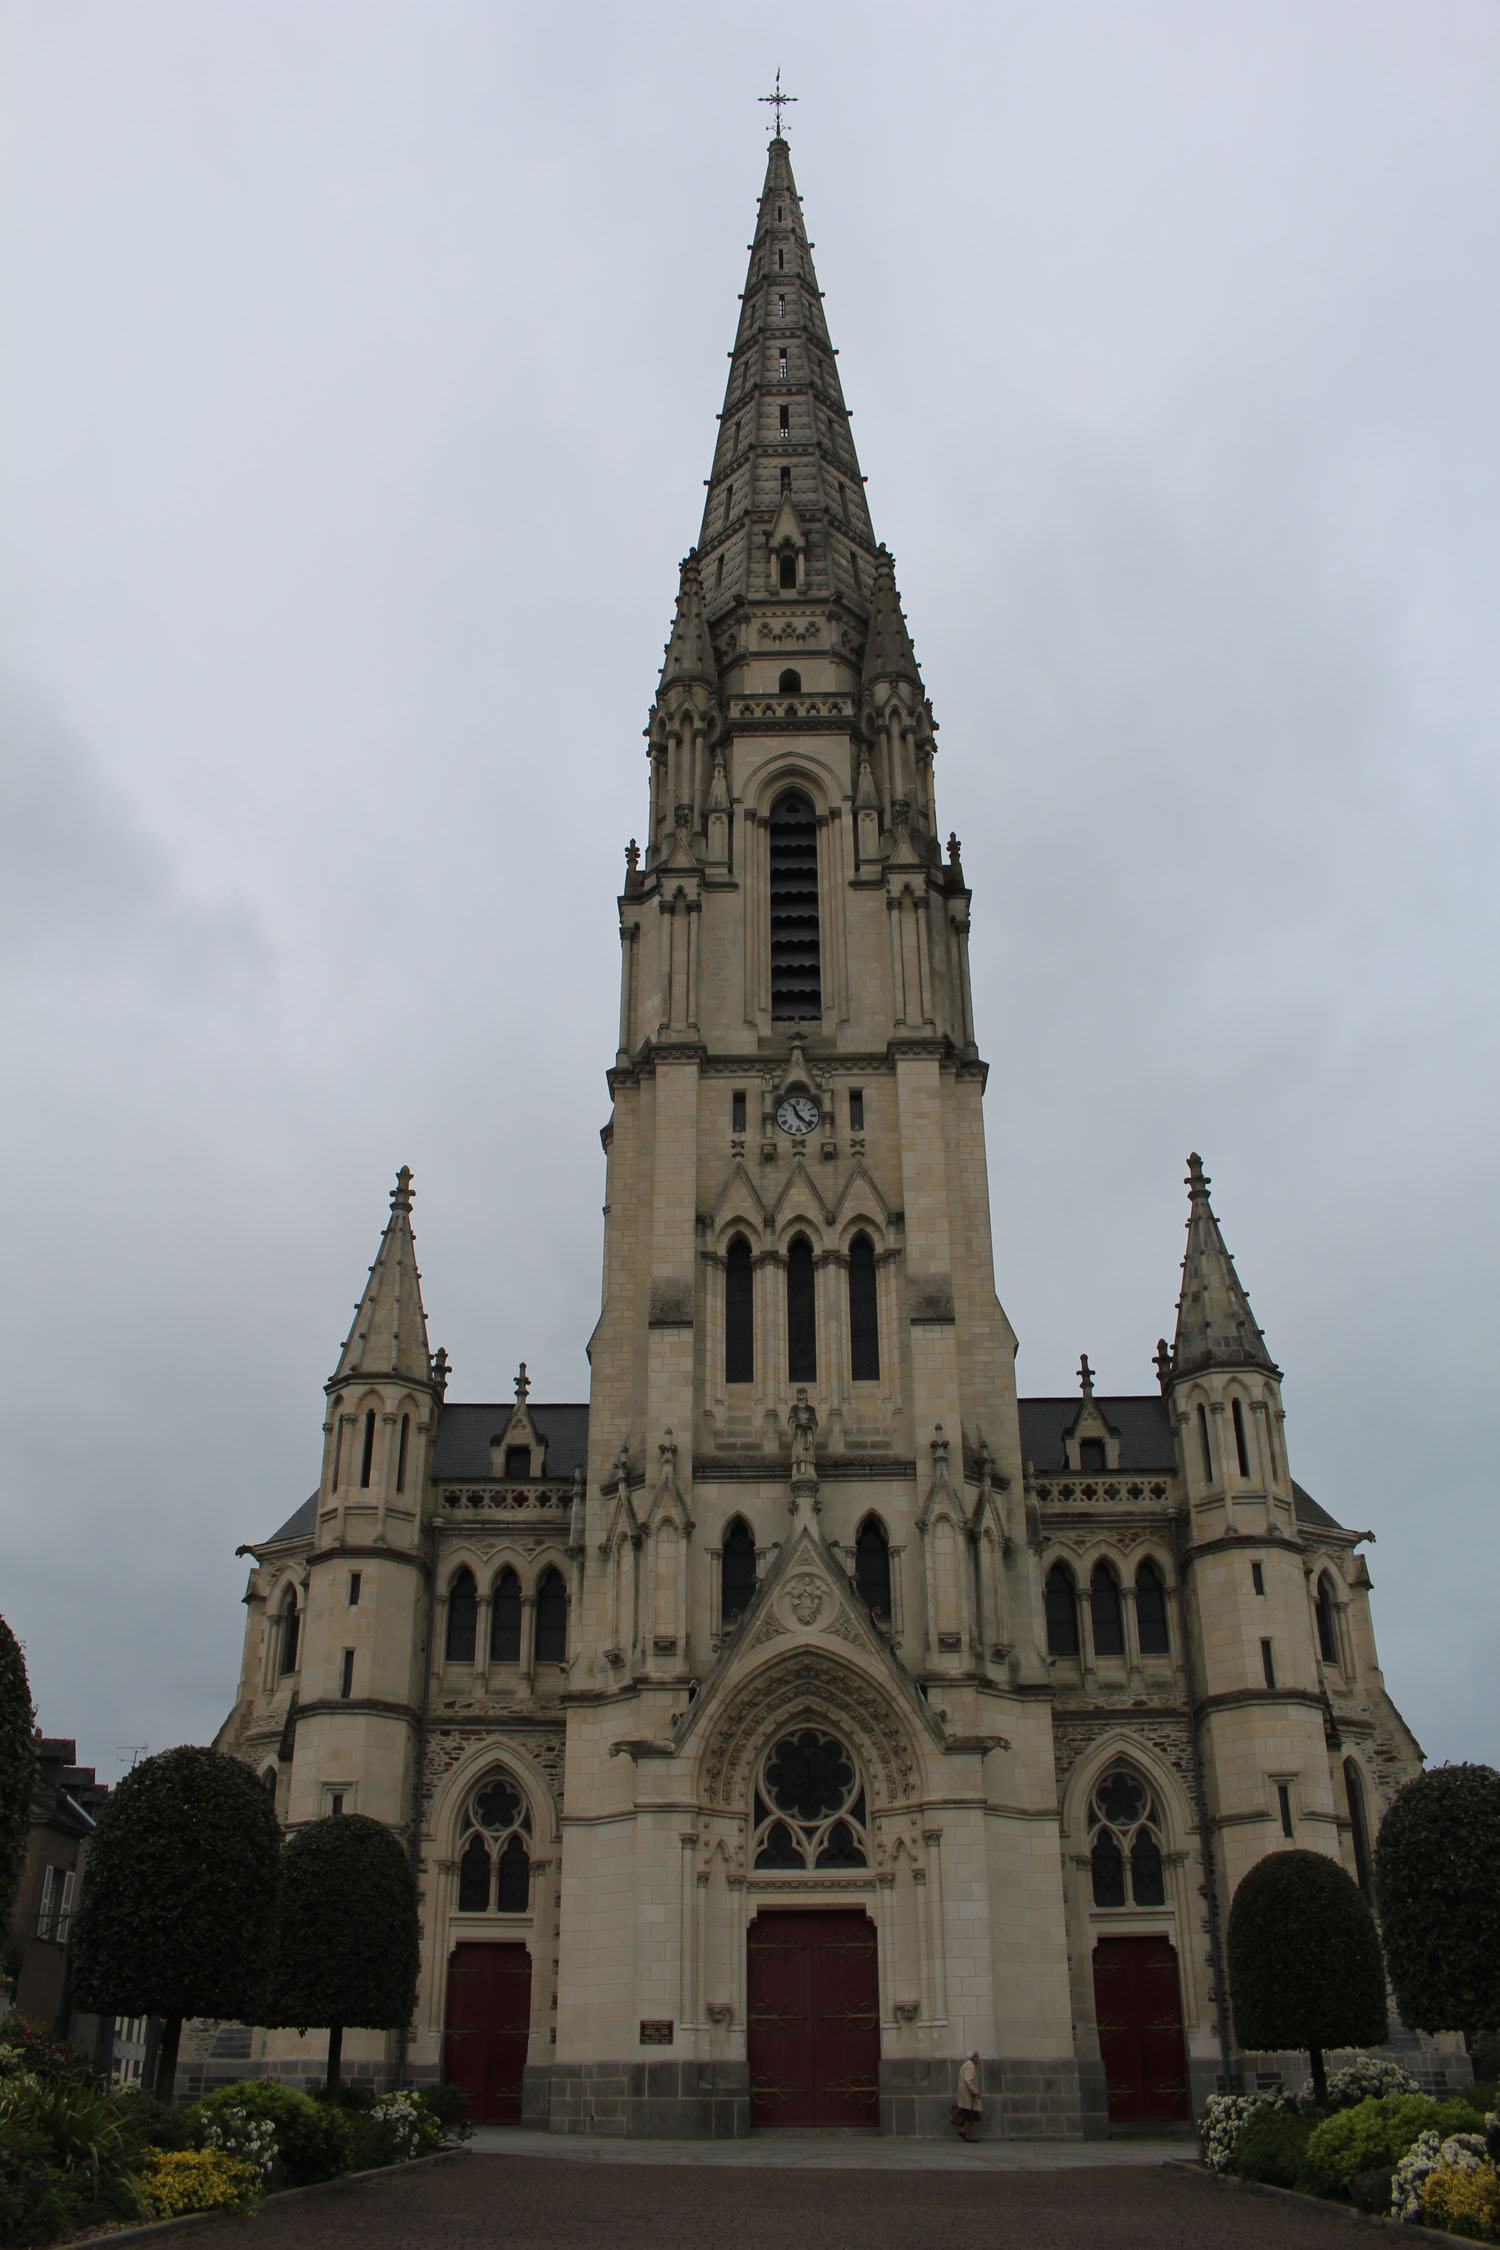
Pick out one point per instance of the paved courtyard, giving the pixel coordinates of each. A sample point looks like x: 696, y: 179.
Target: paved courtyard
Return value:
x: 523, y: 2201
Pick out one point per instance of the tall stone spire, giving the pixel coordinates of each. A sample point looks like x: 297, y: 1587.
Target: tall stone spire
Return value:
x: 389, y: 1336
x: 1215, y: 1326
x: 784, y: 433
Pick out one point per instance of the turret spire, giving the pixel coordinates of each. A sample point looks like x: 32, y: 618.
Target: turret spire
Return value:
x: 1215, y: 1326
x: 889, y: 654
x: 389, y: 1336
x: 689, y: 655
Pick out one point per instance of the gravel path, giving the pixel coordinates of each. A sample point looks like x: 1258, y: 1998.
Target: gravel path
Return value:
x: 533, y: 2203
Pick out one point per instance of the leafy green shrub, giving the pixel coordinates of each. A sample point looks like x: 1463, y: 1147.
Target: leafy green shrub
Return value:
x: 196, y: 2179
x: 1435, y: 1860
x: 24, y: 2046
x: 78, y: 2128
x: 1378, y: 2133
x: 397, y: 2128
x: 314, y: 2140
x: 448, y: 2103
x: 17, y: 1768
x: 149, y: 2123
x: 1305, y: 1966
x: 34, y: 2206
x: 1273, y: 2149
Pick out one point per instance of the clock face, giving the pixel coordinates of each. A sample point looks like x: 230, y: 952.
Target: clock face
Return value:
x: 798, y: 1115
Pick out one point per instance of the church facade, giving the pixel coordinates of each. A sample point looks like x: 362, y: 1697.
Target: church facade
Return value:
x: 807, y: 1710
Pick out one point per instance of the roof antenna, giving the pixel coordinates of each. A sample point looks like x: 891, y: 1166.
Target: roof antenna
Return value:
x: 777, y: 101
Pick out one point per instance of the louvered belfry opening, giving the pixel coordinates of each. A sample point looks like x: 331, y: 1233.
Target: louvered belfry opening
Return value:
x: 796, y: 978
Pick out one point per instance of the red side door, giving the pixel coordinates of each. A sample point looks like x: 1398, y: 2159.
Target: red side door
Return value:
x: 488, y: 2027
x: 813, y: 2019
x: 1138, y: 2006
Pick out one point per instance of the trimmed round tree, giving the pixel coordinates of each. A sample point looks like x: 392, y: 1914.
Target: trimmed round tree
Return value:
x: 17, y: 1770
x: 346, y: 1951
x: 1437, y: 1880
x: 178, y: 1906
x: 1305, y: 1968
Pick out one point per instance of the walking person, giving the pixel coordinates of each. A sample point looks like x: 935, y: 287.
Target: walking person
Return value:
x: 970, y: 2101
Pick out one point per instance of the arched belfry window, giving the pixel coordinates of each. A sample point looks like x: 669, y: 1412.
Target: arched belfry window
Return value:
x: 291, y: 1633
x: 552, y: 1619
x: 809, y: 1807
x: 1151, y: 1611
x: 790, y: 683
x: 739, y: 1313
x: 872, y: 1566
x: 1105, y: 1612
x: 786, y: 569
x: 736, y: 1572
x: 1241, y: 1440
x: 801, y: 1314
x: 1328, y: 1638
x: 367, y: 1455
x: 864, y: 1314
x: 1125, y: 1832
x: 494, y: 1859
x: 505, y: 1619
x: 463, y: 1619
x: 796, y: 974
x: 1062, y: 1612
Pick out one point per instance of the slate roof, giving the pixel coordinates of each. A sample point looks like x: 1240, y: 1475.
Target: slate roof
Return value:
x: 300, y: 1525
x: 1145, y: 1429
x: 464, y: 1433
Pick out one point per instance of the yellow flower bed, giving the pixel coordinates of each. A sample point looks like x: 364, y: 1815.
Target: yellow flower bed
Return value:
x: 196, y: 2179
x: 1464, y: 2200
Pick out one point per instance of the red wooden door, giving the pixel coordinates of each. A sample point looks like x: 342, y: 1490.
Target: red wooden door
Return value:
x: 489, y: 2024
x: 1139, y: 2009
x: 813, y: 2019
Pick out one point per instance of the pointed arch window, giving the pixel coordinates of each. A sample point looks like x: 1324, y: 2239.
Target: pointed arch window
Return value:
x: 505, y: 1619
x: 552, y: 1619
x: 1105, y: 1612
x: 786, y: 572
x: 463, y: 1619
x: 401, y: 1450
x: 1241, y: 1441
x: 1328, y: 1635
x: 796, y: 975
x: 1359, y: 1833
x: 1203, y: 1440
x: 739, y: 1313
x: 1062, y: 1612
x: 872, y: 1567
x: 367, y: 1457
x: 494, y: 1861
x: 864, y: 1312
x: 736, y: 1572
x: 1125, y: 1831
x: 790, y: 682
x: 291, y: 1633
x: 1151, y: 1626
x: 801, y: 1314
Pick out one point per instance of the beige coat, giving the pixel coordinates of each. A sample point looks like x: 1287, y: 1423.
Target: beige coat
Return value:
x: 969, y: 2096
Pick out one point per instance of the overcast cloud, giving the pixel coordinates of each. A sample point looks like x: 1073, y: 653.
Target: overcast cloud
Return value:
x: 359, y: 386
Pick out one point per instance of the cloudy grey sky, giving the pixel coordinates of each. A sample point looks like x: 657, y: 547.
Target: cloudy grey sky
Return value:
x: 359, y: 385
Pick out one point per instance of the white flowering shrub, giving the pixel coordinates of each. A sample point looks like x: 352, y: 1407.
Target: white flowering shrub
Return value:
x: 237, y: 2133
x: 1224, y: 2119
x: 1461, y: 2152
x: 1370, y: 2077
x: 403, y: 2125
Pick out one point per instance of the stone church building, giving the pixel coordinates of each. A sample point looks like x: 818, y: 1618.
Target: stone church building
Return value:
x: 807, y: 1710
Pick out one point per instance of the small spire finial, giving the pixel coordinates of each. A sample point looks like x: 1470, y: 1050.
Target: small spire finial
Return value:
x: 1163, y: 1361
x: 401, y: 1192
x: 1085, y: 1376
x: 1198, y: 1182
x: 777, y: 101
x: 440, y: 1370
x: 954, y: 848
x: 632, y: 856
x: 523, y: 1385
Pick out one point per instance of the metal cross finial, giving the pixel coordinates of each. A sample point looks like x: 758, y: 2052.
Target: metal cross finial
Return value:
x: 777, y: 101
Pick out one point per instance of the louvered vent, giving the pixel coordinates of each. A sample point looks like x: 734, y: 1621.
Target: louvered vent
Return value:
x: 796, y: 982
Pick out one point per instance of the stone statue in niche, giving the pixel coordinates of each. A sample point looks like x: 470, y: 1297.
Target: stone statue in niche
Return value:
x: 803, y: 1423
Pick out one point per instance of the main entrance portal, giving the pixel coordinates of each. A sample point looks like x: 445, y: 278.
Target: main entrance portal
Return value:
x: 489, y: 2024
x: 813, y: 2018
x: 1139, y: 2010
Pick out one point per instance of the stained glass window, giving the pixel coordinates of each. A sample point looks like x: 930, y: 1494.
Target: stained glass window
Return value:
x: 1105, y: 1613
x: 864, y: 1312
x: 463, y: 1619
x: 1151, y: 1611
x: 872, y: 1566
x: 809, y: 1806
x: 736, y: 1572
x: 496, y: 1828
x: 1125, y: 1831
x: 1062, y: 1613
x: 505, y: 1619
x: 552, y: 1619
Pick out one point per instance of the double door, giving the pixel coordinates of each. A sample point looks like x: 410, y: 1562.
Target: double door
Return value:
x: 813, y: 2018
x: 1138, y: 2007
x: 488, y: 2028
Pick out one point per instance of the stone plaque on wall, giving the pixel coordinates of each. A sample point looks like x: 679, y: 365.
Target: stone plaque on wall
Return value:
x: 656, y: 2033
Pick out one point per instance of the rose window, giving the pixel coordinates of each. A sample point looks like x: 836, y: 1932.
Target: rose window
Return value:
x: 494, y: 1862
x: 809, y: 1805
x: 1125, y: 1831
